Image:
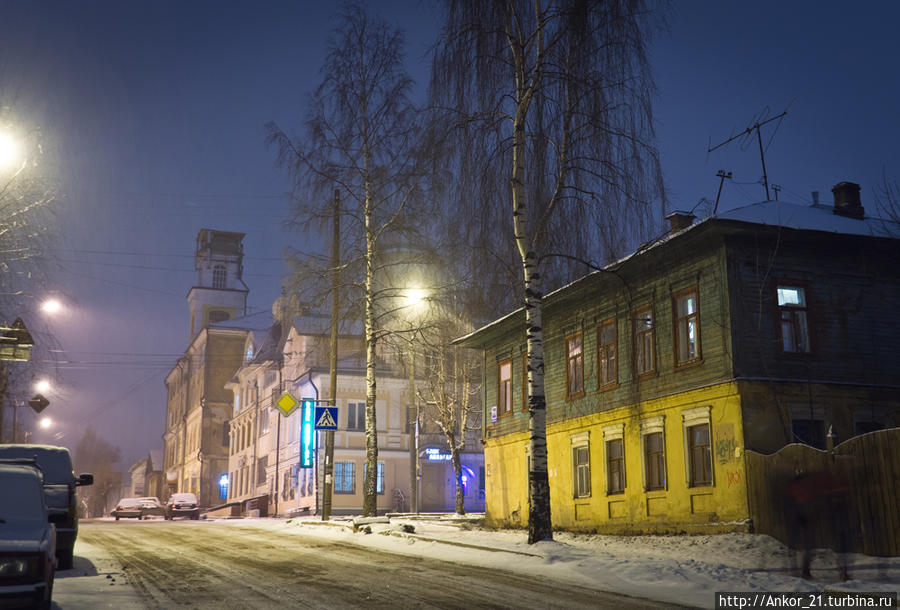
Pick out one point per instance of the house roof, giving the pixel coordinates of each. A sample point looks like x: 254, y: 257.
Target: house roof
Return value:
x: 781, y: 214
x: 259, y: 321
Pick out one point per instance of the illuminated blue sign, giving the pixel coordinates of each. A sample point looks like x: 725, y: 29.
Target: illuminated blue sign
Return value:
x: 223, y: 486
x: 435, y: 455
x: 307, y: 449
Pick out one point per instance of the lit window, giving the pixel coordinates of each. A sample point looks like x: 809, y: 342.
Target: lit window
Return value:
x: 574, y: 366
x: 581, y: 465
x: 792, y: 319
x: 687, y: 327
x: 699, y: 455
x: 644, y: 341
x: 344, y: 483
x: 504, y: 387
x: 607, y: 373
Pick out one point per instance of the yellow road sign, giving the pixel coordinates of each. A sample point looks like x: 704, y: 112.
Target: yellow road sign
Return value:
x: 286, y: 403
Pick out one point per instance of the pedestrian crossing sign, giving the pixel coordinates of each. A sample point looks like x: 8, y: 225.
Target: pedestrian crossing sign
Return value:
x: 326, y: 418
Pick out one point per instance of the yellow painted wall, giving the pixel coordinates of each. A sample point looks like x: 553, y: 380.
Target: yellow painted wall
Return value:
x: 719, y: 507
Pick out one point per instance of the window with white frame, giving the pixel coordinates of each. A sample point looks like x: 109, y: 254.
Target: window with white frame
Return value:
x: 504, y: 387
x: 698, y: 444
x: 654, y: 447
x: 792, y: 319
x: 614, y: 443
x: 356, y: 416
x: 581, y: 465
x: 219, y: 279
x: 687, y: 326
x: 379, y: 476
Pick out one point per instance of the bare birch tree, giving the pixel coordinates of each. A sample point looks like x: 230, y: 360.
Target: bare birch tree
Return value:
x: 360, y: 133
x: 551, y: 104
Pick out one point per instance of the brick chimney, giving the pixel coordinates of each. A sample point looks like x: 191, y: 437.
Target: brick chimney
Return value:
x: 679, y: 220
x: 846, y: 200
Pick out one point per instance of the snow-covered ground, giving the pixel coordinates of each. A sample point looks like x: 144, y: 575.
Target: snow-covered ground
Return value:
x: 678, y: 569
x: 683, y: 570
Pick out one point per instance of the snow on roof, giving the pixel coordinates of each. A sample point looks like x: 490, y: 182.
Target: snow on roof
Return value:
x: 815, y: 217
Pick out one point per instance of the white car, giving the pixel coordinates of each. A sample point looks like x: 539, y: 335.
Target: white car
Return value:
x: 27, y: 539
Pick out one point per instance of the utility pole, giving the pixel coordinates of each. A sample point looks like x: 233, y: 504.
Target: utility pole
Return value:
x: 413, y: 435
x: 328, y: 487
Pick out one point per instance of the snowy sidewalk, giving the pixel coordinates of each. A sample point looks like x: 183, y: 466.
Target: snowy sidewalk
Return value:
x: 684, y: 570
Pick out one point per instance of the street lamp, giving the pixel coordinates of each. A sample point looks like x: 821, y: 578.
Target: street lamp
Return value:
x: 9, y: 150
x: 42, y: 386
x: 51, y: 306
x: 45, y: 423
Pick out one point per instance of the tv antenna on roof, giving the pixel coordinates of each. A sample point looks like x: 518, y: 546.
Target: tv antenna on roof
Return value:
x: 747, y: 134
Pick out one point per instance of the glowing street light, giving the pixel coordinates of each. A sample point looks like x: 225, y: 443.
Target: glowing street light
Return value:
x: 45, y: 423
x: 51, y: 306
x: 9, y: 150
x: 42, y: 386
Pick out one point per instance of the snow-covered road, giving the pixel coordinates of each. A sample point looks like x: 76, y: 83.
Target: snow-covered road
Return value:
x: 275, y: 563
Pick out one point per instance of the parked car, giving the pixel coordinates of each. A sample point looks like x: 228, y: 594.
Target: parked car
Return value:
x: 59, y: 492
x: 129, y: 507
x: 27, y: 538
x: 152, y: 506
x: 182, y: 505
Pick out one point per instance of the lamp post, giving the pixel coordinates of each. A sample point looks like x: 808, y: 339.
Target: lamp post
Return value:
x: 415, y: 300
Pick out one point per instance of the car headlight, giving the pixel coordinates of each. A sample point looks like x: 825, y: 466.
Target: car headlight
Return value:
x: 18, y: 566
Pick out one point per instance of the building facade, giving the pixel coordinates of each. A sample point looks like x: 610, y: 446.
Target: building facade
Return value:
x: 766, y: 325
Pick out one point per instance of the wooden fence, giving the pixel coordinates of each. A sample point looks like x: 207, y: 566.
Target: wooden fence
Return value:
x: 849, y: 496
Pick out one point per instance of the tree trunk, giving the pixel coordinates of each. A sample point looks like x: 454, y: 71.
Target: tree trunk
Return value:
x: 457, y: 472
x: 370, y: 495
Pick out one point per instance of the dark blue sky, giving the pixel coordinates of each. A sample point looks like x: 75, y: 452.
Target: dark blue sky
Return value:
x: 154, y: 112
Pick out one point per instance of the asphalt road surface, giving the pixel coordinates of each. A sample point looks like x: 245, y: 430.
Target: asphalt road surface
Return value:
x: 198, y: 564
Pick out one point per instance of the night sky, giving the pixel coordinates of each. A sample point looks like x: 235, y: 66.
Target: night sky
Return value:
x: 154, y: 117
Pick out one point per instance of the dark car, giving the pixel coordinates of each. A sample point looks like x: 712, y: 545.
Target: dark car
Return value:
x: 27, y: 539
x: 182, y: 505
x: 59, y: 492
x: 152, y: 506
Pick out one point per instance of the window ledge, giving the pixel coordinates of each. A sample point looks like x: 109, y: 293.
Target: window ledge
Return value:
x: 609, y: 386
x: 689, y: 364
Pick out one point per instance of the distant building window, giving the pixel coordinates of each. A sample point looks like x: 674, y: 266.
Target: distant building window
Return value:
x: 263, y: 421
x: 219, y: 277
x: 356, y: 416
x: 226, y: 434
x: 644, y: 342
x: 699, y: 455
x: 687, y: 327
x: 809, y: 432
x: 261, y: 465
x: 792, y: 319
x: 574, y: 366
x: 581, y: 466
x: 607, y: 371
x: 655, y: 461
x: 615, y: 466
x: 344, y: 483
x: 216, y: 316
x: 504, y: 387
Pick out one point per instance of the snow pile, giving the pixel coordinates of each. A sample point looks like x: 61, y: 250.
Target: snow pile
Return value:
x: 677, y: 569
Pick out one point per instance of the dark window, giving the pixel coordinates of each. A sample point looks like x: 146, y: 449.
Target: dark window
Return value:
x: 261, y: 465
x: 700, y: 455
x: 687, y: 327
x: 864, y: 427
x: 344, y: 483
x: 226, y: 427
x: 356, y: 416
x: 574, y: 366
x: 792, y: 319
x: 216, y: 315
x: 607, y: 372
x: 809, y: 432
x: 504, y: 387
x: 219, y: 277
x: 581, y: 458
x: 615, y: 460
x: 656, y: 461
x: 644, y: 342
